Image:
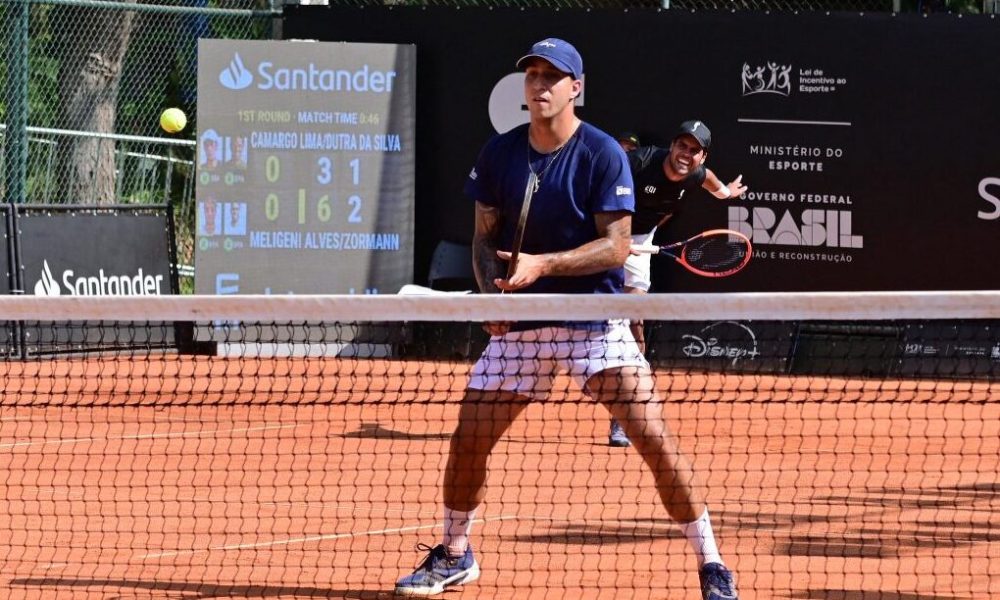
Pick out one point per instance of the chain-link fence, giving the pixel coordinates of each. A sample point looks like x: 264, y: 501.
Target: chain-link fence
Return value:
x: 83, y: 81
x: 81, y: 90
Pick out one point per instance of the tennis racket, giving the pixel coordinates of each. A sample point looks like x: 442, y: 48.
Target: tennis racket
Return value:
x: 515, y: 251
x: 712, y: 253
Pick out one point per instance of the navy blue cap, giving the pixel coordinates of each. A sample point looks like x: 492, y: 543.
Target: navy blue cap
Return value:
x: 560, y: 53
x: 698, y: 130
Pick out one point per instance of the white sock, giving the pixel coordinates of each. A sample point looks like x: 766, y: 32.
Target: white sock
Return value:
x: 702, y: 540
x: 457, y: 526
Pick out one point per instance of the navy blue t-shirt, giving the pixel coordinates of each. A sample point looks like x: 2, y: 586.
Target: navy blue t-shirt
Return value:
x: 589, y: 175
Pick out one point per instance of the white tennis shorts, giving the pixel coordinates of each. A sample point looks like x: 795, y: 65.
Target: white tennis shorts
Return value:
x: 526, y: 362
x: 637, y: 268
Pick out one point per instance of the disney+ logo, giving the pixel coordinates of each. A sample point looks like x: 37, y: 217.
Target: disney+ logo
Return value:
x: 729, y: 340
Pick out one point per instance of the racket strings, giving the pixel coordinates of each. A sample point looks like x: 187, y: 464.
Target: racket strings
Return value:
x: 716, y: 253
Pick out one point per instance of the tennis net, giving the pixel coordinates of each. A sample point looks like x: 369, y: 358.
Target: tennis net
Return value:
x: 847, y: 445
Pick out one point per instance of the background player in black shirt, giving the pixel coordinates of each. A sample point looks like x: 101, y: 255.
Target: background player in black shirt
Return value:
x: 662, y: 178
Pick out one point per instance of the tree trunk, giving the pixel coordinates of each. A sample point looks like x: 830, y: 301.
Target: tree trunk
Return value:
x: 92, y: 56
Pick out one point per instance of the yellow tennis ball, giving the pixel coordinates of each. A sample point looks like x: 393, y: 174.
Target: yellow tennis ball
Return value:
x: 173, y: 120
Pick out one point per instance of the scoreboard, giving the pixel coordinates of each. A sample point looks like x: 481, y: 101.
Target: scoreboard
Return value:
x: 305, y: 167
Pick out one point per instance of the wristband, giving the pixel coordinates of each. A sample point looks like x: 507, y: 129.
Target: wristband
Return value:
x: 723, y: 190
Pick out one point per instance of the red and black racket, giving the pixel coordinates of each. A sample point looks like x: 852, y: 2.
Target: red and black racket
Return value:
x: 712, y: 253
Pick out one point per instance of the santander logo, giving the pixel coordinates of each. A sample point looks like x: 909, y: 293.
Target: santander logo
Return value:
x: 47, y: 285
x: 101, y: 284
x: 235, y: 76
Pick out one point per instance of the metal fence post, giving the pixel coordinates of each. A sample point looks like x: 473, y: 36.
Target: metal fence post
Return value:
x: 15, y: 147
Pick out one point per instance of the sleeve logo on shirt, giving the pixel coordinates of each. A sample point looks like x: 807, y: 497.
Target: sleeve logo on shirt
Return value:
x: 472, y: 174
x: 621, y: 190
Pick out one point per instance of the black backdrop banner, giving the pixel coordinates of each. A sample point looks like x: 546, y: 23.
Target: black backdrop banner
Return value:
x: 89, y: 251
x: 869, y: 142
x: 74, y: 250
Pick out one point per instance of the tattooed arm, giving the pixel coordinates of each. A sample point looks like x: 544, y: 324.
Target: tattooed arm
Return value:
x: 608, y: 251
x: 485, y: 262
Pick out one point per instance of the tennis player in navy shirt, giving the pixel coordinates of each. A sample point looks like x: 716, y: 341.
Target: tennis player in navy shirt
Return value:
x: 583, y: 199
x: 575, y: 241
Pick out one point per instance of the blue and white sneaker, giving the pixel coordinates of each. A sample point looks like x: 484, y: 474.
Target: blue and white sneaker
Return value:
x: 618, y: 439
x: 438, y: 571
x: 717, y: 582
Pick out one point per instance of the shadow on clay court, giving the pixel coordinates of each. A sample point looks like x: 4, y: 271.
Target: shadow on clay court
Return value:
x: 377, y: 432
x: 626, y: 531
x: 183, y: 590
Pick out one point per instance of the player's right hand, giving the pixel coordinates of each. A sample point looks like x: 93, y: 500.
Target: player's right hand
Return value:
x: 528, y: 270
x: 737, y: 188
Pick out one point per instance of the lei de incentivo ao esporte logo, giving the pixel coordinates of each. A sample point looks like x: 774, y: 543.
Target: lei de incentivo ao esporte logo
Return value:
x: 780, y: 79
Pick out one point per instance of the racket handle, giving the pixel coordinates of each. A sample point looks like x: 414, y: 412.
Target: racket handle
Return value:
x: 645, y: 248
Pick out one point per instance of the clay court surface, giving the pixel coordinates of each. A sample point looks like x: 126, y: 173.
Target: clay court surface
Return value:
x: 194, y: 477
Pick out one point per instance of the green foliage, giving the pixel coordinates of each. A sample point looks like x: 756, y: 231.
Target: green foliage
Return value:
x: 43, y: 69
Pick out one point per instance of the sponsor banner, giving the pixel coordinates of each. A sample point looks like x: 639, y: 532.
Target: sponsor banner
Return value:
x: 76, y: 253
x: 728, y: 346
x: 87, y: 251
x: 863, y: 174
x: 966, y: 350
x: 305, y: 167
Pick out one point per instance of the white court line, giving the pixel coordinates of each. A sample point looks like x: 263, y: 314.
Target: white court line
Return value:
x: 337, y: 536
x: 791, y: 122
x: 20, y: 418
x: 353, y: 508
x: 179, y: 434
x: 66, y: 441
x: 149, y: 436
x: 312, y: 538
x: 337, y: 506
